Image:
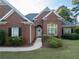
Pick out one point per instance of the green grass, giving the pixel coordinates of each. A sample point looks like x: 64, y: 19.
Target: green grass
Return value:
x: 69, y: 51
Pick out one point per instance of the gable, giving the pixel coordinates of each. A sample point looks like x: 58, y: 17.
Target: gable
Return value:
x: 51, y: 15
x: 14, y: 18
x: 55, y: 15
x: 52, y: 18
x: 14, y: 9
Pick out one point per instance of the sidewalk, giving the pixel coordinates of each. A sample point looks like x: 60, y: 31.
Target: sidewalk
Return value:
x: 36, y: 45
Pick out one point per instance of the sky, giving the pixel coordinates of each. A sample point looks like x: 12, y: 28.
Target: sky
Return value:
x: 36, y: 6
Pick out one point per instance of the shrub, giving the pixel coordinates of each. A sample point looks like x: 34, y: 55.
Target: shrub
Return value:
x: 2, y: 37
x: 16, y: 41
x: 54, y: 42
x: 72, y: 36
x: 77, y: 30
x: 45, y: 38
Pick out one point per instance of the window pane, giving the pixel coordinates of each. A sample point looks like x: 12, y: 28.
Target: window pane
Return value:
x: 52, y: 29
x: 67, y: 30
x: 52, y: 25
x: 15, y: 31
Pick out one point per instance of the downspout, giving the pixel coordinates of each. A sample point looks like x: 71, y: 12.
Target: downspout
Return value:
x: 42, y: 29
x: 30, y: 34
x: 75, y: 25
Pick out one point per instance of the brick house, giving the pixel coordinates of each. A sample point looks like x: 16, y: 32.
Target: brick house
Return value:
x: 33, y: 25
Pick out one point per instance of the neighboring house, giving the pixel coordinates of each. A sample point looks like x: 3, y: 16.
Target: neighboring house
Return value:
x: 69, y: 27
x: 15, y: 24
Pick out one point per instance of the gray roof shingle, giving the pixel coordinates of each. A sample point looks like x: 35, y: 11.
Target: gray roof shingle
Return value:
x: 31, y: 16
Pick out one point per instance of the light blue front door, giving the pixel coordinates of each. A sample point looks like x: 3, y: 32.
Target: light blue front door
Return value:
x: 38, y: 32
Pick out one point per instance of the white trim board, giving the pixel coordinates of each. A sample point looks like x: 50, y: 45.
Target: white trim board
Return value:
x: 7, y: 14
x: 69, y: 25
x: 25, y: 22
x: 30, y: 34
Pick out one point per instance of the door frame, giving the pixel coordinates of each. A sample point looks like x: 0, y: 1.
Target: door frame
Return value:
x: 36, y: 31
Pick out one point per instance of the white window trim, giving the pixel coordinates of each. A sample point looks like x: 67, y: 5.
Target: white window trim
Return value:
x: 55, y: 27
x: 66, y: 30
x: 13, y: 33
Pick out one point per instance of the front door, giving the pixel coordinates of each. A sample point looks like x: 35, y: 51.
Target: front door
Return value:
x: 38, y: 32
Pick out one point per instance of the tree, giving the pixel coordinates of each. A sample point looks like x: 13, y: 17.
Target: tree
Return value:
x: 64, y: 12
x: 76, y: 4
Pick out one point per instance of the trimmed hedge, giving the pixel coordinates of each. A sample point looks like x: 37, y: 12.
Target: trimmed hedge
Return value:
x: 16, y: 41
x: 53, y: 42
x: 72, y: 36
x: 2, y: 37
x: 77, y: 30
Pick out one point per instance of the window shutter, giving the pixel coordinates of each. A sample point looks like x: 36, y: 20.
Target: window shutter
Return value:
x: 62, y: 31
x: 72, y: 30
x: 9, y: 31
x: 20, y: 32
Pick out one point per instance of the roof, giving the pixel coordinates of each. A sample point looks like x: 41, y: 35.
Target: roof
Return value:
x: 45, y: 10
x: 68, y: 23
x: 4, y: 9
x: 31, y: 16
x: 17, y: 11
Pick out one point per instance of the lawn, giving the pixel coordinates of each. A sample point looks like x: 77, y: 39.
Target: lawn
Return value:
x: 69, y: 51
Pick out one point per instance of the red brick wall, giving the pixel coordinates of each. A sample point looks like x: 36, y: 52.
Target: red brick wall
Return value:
x: 33, y: 33
x: 52, y: 18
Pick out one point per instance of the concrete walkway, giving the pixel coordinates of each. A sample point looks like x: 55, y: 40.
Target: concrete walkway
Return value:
x: 36, y: 45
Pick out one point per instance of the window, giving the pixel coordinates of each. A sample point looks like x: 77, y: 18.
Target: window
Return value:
x: 52, y: 29
x: 67, y: 30
x: 14, y: 31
